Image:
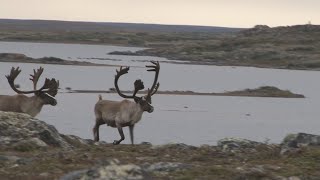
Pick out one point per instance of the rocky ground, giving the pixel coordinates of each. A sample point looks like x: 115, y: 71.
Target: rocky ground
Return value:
x: 32, y: 149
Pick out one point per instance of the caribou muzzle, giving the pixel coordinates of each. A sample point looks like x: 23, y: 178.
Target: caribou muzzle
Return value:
x: 150, y: 110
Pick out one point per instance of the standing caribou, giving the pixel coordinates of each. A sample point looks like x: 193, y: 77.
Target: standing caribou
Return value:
x: 119, y: 114
x: 29, y: 105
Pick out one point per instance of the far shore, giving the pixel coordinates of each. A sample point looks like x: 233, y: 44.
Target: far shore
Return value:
x: 284, y: 47
x: 265, y: 91
x: 21, y: 58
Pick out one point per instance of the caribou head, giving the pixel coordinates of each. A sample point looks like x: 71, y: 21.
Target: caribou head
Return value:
x: 45, y: 94
x: 143, y: 101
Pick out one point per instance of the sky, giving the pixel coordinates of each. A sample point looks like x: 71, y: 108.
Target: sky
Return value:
x: 227, y: 13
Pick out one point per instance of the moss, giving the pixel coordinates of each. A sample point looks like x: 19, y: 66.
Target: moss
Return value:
x: 24, y: 148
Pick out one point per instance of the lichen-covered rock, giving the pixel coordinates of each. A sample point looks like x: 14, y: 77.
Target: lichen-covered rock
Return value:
x: 292, y: 142
x: 10, y: 161
x: 230, y: 144
x: 112, y: 171
x: 77, y: 141
x: 165, y: 167
x: 18, y: 129
x: 301, y: 139
x: 24, y: 133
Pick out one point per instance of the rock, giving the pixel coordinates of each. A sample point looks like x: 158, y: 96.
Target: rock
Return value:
x: 301, y: 139
x: 8, y: 159
x: 22, y: 130
x: 258, y: 172
x: 146, y: 143
x: 112, y: 171
x: 24, y: 161
x: 229, y: 144
x: 25, y: 133
x: 29, y: 144
x: 177, y: 146
x: 77, y: 141
x: 165, y: 167
x: 292, y: 142
x: 294, y: 178
x: 100, y: 143
x: 45, y: 174
x: 14, y: 161
x: 74, y: 175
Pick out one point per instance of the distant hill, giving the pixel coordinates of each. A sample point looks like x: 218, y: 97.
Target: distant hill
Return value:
x: 75, y: 26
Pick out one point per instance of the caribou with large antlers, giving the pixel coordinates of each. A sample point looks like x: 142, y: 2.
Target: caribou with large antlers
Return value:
x: 119, y: 114
x: 29, y: 105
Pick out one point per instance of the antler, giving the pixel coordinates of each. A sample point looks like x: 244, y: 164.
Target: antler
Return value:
x: 12, y: 76
x: 156, y: 84
x: 138, y: 84
x: 35, y: 77
x: 52, y: 85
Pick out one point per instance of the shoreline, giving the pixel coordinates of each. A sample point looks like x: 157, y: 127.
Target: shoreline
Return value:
x: 170, y: 59
x: 22, y: 58
x: 264, y: 91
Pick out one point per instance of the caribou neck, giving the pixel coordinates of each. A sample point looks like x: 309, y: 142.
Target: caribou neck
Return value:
x: 136, y: 114
x: 32, y: 106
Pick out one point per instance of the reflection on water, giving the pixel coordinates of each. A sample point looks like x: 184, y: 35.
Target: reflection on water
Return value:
x: 188, y: 119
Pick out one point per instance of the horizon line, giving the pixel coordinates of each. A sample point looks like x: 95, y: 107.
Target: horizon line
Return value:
x: 143, y: 23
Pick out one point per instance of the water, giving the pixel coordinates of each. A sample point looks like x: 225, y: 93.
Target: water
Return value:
x: 192, y: 120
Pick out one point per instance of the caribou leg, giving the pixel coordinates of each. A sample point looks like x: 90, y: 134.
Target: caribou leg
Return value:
x: 96, y: 130
x: 115, y: 142
x: 131, y: 133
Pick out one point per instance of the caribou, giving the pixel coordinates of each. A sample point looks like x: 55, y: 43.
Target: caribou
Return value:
x: 119, y: 114
x: 25, y: 104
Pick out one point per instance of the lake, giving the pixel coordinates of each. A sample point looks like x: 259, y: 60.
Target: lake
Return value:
x: 193, y: 120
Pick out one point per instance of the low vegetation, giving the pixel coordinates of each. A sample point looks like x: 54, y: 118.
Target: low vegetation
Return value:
x: 205, y: 162
x: 33, y: 149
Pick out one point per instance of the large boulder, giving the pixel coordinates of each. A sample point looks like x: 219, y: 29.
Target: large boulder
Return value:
x: 23, y: 132
x: 293, y: 142
x: 301, y: 139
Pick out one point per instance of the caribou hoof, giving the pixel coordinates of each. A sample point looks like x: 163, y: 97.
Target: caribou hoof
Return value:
x: 115, y: 142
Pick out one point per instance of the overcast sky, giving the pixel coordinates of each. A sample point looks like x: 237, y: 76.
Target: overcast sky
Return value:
x: 229, y: 13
